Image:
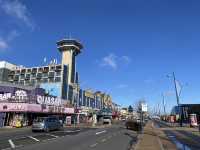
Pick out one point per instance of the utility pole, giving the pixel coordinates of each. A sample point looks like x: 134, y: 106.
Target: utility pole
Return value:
x: 163, y: 101
x: 177, y: 99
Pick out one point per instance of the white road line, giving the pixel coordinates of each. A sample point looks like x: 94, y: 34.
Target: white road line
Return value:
x: 72, y: 131
x: 103, y: 140
x: 34, y: 138
x: 100, y: 132
x: 52, y: 135
x: 6, y: 148
x: 11, y: 143
x: 93, y: 145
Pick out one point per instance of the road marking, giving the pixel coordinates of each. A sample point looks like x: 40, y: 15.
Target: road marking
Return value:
x: 52, y: 135
x: 72, y: 131
x: 34, y: 138
x: 93, y: 145
x: 11, y: 143
x: 100, y: 132
x: 103, y: 140
x: 6, y: 148
x: 171, y: 136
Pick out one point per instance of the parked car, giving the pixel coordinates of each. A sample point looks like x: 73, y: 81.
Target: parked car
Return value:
x: 46, y: 124
x: 133, y: 125
x: 107, y: 120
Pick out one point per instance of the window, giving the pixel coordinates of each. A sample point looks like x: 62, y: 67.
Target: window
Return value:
x: 45, y: 80
x: 58, y: 79
x: 51, y: 80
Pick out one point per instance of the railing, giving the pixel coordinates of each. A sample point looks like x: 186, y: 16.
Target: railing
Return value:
x: 2, y: 83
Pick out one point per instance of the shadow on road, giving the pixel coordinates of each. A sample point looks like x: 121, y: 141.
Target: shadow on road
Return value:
x: 132, y: 141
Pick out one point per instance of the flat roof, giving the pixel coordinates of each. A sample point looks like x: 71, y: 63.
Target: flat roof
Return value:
x: 70, y: 42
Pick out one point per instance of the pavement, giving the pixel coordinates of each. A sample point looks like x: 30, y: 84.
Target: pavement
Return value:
x: 114, y: 137
x: 183, y: 137
x: 153, y: 139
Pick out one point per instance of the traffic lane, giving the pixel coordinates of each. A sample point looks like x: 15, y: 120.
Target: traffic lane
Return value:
x: 13, y: 142
x: 28, y: 132
x: 81, y: 141
x: 120, y: 140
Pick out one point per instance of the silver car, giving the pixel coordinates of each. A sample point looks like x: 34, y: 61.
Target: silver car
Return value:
x: 107, y: 120
x: 46, y: 124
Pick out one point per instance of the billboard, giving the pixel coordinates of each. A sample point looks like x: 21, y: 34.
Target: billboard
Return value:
x: 53, y: 89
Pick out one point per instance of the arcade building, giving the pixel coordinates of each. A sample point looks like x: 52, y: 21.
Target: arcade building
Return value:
x: 50, y: 89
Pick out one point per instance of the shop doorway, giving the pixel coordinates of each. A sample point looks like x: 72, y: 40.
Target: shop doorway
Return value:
x: 2, y: 119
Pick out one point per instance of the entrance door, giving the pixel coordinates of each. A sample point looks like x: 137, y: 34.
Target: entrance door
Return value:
x: 2, y: 119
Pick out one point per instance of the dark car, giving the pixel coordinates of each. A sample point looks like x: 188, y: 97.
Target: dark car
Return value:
x: 46, y: 124
x: 133, y: 125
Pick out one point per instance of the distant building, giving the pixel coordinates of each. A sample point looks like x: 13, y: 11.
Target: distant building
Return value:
x: 187, y: 109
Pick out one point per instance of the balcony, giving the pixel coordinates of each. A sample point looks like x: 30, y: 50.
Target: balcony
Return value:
x: 39, y: 75
x: 34, y: 70
x: 51, y: 74
x: 58, y: 68
x: 57, y: 79
x: 46, y: 69
x: 27, y: 76
x: 16, y: 78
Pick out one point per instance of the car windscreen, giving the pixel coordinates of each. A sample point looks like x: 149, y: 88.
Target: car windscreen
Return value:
x: 106, y: 117
x: 39, y: 120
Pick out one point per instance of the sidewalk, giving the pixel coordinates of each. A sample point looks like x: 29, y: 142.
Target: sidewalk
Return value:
x: 153, y: 139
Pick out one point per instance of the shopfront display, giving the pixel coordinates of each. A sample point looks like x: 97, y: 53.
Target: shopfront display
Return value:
x: 18, y: 107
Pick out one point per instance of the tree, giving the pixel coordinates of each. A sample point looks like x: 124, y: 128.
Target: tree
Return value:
x: 130, y: 109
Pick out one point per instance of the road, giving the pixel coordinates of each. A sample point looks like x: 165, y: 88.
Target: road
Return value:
x: 184, y: 140
x: 114, y: 137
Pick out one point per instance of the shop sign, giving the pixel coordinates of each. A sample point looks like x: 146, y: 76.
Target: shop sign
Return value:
x: 5, y: 96
x: 69, y: 110
x: 19, y: 95
x: 88, y: 94
x: 47, y: 100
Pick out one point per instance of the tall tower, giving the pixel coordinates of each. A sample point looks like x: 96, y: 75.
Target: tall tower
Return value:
x: 69, y: 49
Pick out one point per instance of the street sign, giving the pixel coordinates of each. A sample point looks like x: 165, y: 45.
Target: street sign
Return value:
x: 144, y: 107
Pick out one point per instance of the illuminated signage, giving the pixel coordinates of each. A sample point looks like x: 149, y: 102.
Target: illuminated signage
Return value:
x: 5, y: 96
x: 19, y: 95
x: 49, y: 100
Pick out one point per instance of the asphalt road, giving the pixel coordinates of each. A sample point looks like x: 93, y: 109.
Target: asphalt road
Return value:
x: 114, y: 137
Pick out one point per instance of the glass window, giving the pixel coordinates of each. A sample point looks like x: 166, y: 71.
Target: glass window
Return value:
x: 58, y: 79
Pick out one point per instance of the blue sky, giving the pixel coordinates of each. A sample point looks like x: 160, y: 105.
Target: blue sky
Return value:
x: 129, y: 46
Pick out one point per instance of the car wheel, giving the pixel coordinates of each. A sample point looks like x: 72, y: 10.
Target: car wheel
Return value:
x: 46, y: 129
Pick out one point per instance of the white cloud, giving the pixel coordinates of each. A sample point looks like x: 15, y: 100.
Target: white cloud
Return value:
x: 126, y: 59
x: 3, y: 44
x: 110, y: 61
x: 12, y: 35
x: 18, y: 10
x: 113, y: 60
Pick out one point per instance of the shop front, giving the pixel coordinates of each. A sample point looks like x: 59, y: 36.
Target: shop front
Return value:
x: 19, y: 107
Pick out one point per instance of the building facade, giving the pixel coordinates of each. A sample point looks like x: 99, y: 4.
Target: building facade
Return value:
x: 56, y: 80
